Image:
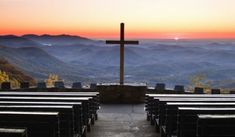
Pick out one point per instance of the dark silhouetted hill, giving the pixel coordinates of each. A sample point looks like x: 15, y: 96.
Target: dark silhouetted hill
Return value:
x: 40, y: 64
x: 15, y: 73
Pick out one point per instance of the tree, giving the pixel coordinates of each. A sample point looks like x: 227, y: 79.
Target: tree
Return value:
x: 4, y: 77
x: 15, y: 83
x: 200, y: 80
x: 52, y: 78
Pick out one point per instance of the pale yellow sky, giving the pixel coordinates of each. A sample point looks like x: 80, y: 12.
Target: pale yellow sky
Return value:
x: 101, y: 18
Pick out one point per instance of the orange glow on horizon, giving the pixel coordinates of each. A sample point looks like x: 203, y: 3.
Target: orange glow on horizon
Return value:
x: 115, y: 35
x: 99, y: 19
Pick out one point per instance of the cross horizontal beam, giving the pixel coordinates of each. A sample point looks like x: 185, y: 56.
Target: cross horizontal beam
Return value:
x: 121, y: 42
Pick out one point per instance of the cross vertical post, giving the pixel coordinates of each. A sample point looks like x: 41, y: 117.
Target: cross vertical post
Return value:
x: 122, y: 42
x: 122, y: 54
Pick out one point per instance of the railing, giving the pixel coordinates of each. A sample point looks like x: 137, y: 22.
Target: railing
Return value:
x: 160, y: 88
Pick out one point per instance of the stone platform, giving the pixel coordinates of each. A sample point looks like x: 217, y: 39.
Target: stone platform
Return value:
x: 122, y: 94
x: 121, y: 120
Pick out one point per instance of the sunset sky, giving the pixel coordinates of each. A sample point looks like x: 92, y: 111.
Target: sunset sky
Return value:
x: 101, y: 18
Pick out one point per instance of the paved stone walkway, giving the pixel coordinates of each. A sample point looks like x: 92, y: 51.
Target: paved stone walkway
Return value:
x: 122, y: 121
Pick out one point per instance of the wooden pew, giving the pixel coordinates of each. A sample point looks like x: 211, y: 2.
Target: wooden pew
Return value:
x: 187, y: 118
x: 19, y: 93
x: 215, y: 126
x: 186, y: 95
x: 94, y: 101
x: 169, y: 119
x: 151, y: 105
x: 150, y: 97
x: 161, y: 101
x: 81, y: 130
x: 67, y: 123
x: 94, y: 95
x: 13, y: 132
x: 87, y: 116
x: 153, y: 102
x: 93, y: 105
x: 38, y: 124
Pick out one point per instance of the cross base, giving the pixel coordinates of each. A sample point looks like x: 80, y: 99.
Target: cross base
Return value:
x: 131, y: 93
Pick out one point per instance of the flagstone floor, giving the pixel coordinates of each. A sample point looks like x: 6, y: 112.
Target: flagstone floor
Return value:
x: 122, y: 121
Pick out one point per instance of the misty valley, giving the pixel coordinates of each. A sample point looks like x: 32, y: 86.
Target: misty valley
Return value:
x: 75, y: 58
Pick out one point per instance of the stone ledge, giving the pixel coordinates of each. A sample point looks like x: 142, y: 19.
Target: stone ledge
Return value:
x: 124, y: 94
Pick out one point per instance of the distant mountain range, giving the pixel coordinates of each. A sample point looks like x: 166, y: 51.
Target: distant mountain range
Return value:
x: 15, y: 41
x: 76, y: 58
x: 31, y: 40
x: 58, y: 40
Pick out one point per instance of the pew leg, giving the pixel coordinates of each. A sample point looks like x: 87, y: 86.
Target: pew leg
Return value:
x: 148, y: 118
x: 89, y: 128
x: 157, y: 128
x: 93, y: 119
x: 152, y: 120
x: 96, y: 116
x: 89, y: 125
x: 163, y: 135
x: 84, y: 133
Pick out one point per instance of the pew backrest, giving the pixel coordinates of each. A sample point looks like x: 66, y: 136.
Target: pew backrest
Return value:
x: 38, y: 124
x: 187, y: 118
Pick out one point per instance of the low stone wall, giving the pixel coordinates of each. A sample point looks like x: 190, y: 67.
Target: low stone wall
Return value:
x: 122, y: 93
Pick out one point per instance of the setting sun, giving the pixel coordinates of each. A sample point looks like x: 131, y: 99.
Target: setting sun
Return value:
x: 176, y: 38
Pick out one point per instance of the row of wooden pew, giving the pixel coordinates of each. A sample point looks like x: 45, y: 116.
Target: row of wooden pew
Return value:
x: 43, y: 85
x: 192, y: 115
x: 47, y: 114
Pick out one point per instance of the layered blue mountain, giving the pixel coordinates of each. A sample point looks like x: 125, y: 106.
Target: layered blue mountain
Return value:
x: 38, y: 63
x: 15, y: 41
x: 76, y: 58
x: 58, y: 40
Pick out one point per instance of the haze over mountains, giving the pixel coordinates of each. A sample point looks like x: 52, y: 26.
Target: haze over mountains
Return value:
x: 76, y: 58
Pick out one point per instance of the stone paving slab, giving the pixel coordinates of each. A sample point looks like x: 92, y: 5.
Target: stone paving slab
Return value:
x: 122, y: 121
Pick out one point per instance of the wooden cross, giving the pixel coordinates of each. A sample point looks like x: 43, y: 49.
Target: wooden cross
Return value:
x: 122, y: 42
